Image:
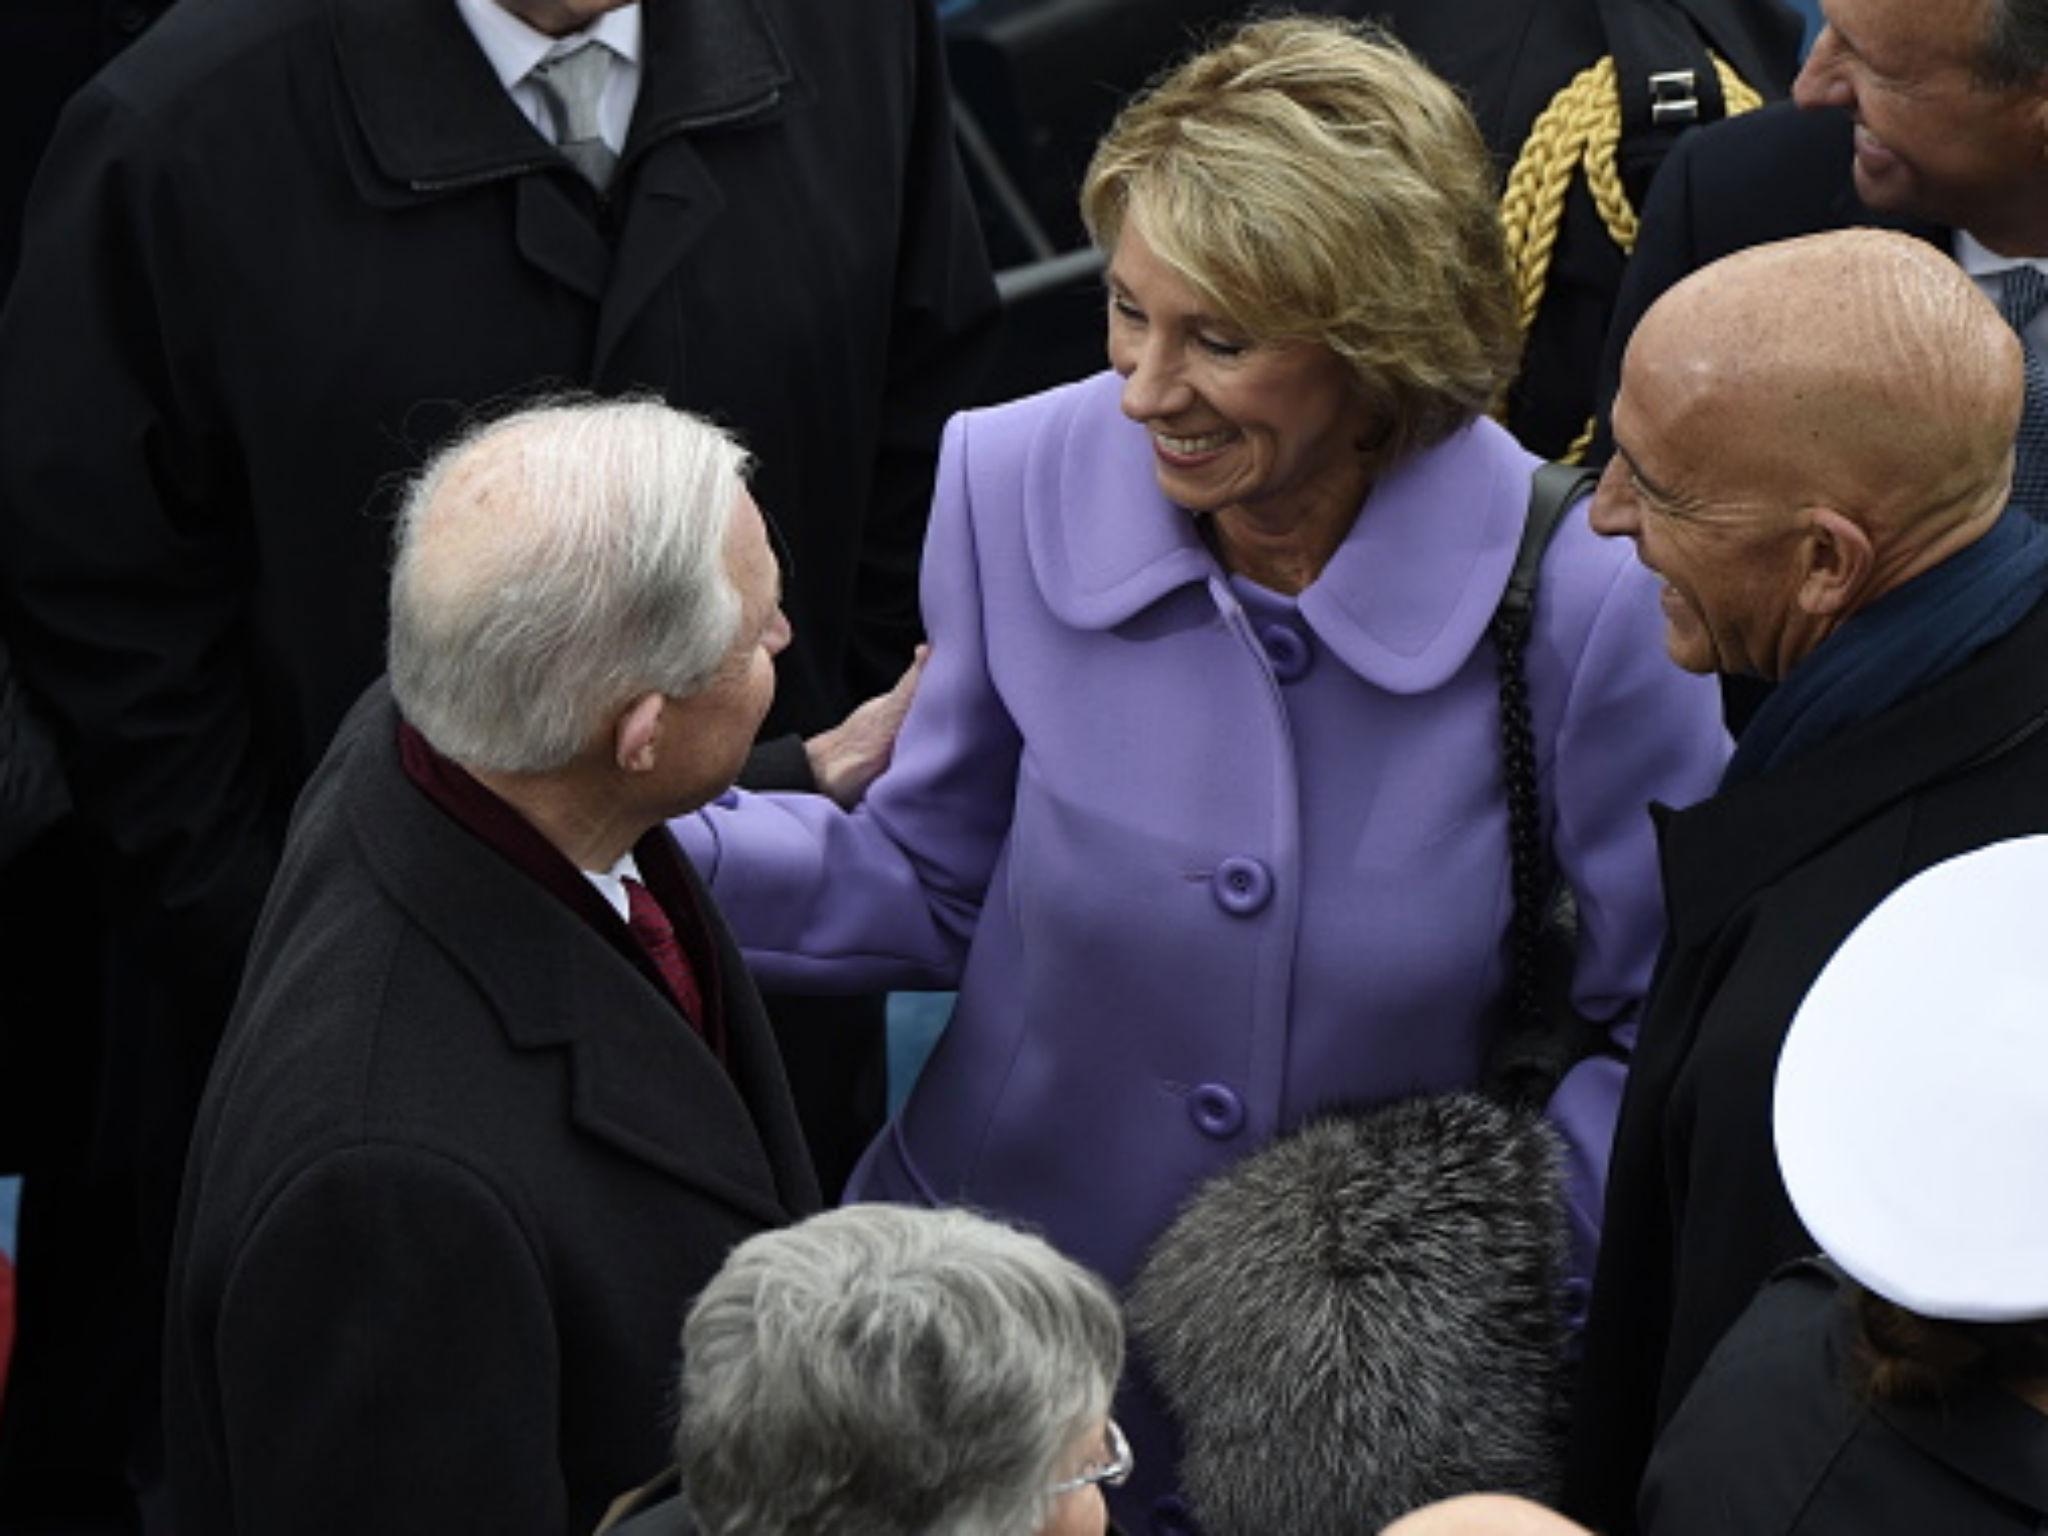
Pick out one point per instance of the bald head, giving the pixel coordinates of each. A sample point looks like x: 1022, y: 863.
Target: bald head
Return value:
x: 1484, y: 1514
x: 554, y: 564
x: 1802, y: 428
x: 1860, y: 370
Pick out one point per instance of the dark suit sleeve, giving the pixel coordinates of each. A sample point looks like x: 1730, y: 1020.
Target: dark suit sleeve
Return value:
x: 126, y: 560
x: 1666, y: 252
x: 942, y: 334
x: 386, y: 1357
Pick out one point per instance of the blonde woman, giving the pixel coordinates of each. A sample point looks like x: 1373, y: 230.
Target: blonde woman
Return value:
x: 1201, y: 802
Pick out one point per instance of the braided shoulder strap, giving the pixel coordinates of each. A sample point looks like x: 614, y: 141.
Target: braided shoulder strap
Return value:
x: 1580, y: 129
x: 1531, y: 1055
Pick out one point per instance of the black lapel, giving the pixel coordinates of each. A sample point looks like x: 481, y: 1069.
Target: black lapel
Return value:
x: 430, y: 108
x: 671, y: 202
x: 639, y: 1079
x: 753, y: 1056
x: 708, y: 66
x: 553, y: 229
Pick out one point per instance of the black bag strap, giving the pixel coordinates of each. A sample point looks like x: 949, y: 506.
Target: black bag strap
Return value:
x: 1552, y: 489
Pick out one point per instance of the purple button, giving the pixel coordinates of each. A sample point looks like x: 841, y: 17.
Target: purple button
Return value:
x: 1288, y: 650
x: 727, y: 800
x: 1242, y: 886
x: 1216, y: 1110
x: 1578, y: 1294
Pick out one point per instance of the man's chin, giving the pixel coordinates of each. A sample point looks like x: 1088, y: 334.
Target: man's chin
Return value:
x: 1883, y: 184
x: 1689, y: 653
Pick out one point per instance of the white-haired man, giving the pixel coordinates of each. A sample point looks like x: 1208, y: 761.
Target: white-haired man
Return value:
x: 498, y: 1096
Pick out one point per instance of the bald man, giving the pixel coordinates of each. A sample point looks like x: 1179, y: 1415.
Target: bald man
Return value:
x: 1814, y: 451
x: 1484, y: 1514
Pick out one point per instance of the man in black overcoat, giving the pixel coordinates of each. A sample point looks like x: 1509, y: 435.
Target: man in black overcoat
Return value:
x: 498, y: 1095
x: 1814, y: 451
x: 281, y: 248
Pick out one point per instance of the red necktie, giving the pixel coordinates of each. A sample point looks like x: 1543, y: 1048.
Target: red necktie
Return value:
x: 657, y: 936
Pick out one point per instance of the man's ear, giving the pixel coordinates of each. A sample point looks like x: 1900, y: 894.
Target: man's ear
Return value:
x: 636, y: 736
x: 1839, y: 558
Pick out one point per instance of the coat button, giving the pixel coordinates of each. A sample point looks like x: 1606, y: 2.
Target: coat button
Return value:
x: 1216, y: 1110
x: 1578, y: 1294
x: 1170, y: 1517
x: 1287, y: 648
x: 1242, y: 886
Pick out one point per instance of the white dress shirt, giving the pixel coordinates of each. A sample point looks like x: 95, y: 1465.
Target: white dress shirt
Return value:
x: 1987, y: 270
x: 611, y: 884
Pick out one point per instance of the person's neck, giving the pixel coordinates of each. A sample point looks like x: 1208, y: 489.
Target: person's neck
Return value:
x: 591, y: 830
x: 1285, y: 551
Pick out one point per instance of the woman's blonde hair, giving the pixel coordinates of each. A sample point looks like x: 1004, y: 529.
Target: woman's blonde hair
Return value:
x: 1312, y: 180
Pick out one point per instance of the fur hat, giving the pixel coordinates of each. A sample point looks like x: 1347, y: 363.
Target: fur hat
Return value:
x: 1363, y: 1317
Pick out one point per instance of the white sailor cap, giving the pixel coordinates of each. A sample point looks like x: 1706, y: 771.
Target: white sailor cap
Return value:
x: 1912, y: 1096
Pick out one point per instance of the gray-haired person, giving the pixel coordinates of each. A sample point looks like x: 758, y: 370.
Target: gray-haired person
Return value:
x: 498, y: 1091
x: 883, y: 1370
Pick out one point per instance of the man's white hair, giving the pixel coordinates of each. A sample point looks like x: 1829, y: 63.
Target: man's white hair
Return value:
x: 554, y: 564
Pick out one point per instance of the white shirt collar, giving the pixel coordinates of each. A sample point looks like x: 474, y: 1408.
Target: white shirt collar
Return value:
x: 611, y: 883
x: 514, y: 48
x: 1977, y: 259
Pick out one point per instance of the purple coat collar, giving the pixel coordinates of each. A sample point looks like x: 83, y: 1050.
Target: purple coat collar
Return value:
x: 1403, y: 602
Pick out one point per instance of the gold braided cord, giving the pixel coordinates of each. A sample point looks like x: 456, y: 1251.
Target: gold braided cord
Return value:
x: 1579, y: 130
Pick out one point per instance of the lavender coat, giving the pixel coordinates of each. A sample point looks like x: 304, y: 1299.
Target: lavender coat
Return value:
x: 1201, y: 859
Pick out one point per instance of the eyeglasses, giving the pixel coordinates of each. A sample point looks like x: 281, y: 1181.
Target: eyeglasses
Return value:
x: 1112, y: 1465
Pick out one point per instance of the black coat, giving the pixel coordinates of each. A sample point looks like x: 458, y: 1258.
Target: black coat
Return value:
x: 457, y: 1177
x: 1761, y: 884
x: 1773, y: 1441
x: 281, y: 247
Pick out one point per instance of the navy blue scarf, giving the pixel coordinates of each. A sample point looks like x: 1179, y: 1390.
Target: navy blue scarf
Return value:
x: 1904, y: 641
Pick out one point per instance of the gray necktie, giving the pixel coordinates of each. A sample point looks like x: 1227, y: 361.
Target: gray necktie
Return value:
x: 571, y: 85
x: 2021, y: 296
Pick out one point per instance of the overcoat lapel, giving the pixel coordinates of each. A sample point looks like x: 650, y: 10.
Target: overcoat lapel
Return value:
x: 554, y: 231
x: 430, y: 109
x: 711, y: 66
x: 436, y: 122
x: 639, y: 1079
x: 671, y: 203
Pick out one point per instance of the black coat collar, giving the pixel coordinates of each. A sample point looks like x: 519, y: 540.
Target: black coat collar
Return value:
x: 1988, y: 1435
x: 673, y: 1107
x: 435, y: 117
